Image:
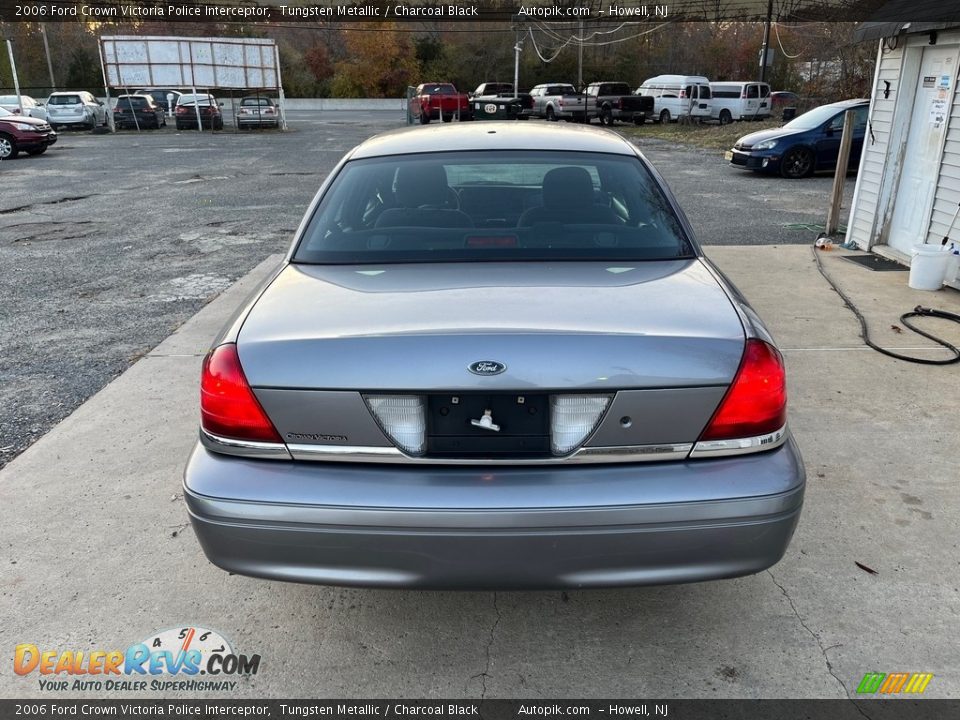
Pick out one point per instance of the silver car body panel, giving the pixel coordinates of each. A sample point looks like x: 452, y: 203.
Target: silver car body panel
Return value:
x: 489, y: 527
x: 641, y: 501
x: 339, y: 328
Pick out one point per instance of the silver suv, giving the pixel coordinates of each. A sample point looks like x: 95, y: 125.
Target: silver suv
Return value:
x: 75, y: 108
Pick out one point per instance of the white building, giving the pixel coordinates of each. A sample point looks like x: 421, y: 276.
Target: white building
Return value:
x: 908, y: 186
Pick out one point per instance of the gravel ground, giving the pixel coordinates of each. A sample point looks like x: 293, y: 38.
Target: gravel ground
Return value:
x: 109, y: 242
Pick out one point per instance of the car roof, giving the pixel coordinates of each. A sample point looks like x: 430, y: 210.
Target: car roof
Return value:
x: 493, y: 136
x: 850, y: 103
x: 69, y: 92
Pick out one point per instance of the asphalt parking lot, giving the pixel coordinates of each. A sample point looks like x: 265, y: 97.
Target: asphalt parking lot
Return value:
x: 111, y: 242
x: 95, y: 551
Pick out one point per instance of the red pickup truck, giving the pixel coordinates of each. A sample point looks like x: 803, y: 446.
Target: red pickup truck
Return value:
x: 436, y: 101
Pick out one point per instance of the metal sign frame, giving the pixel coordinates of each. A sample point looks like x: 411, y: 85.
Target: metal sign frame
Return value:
x: 153, y: 61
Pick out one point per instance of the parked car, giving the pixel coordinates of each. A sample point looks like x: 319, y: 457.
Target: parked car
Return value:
x: 678, y: 96
x: 258, y: 111
x: 186, y: 112
x: 31, y: 108
x: 780, y: 99
x: 161, y: 97
x: 498, y: 91
x: 75, y: 109
x: 492, y: 89
x: 804, y: 145
x: 609, y: 102
x: 31, y: 135
x: 544, y: 382
x: 439, y: 101
x: 548, y: 99
x: 787, y: 105
x: 731, y: 101
x: 138, y: 111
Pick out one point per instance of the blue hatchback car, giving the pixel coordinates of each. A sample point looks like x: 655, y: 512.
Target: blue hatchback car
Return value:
x: 804, y: 145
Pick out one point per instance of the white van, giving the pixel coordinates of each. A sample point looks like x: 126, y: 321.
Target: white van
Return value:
x: 740, y: 101
x: 678, y: 96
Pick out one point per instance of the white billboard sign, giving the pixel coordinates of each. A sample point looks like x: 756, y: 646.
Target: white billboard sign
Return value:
x: 187, y: 62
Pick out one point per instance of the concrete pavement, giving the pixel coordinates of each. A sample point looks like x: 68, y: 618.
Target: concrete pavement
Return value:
x: 95, y: 550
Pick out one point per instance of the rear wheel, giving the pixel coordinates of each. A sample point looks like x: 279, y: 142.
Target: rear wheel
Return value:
x: 424, y: 118
x: 446, y: 118
x: 725, y: 117
x: 797, y: 163
x: 606, y: 117
x: 664, y: 116
x: 8, y: 148
x: 551, y: 115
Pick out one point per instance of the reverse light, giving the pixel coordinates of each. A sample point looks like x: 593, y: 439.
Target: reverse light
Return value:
x: 753, y: 413
x: 573, y: 418
x: 403, y: 418
x: 228, y: 407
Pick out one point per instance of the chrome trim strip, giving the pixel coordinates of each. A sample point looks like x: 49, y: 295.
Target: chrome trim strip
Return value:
x: 244, y: 448
x: 351, y: 453
x: 739, y: 446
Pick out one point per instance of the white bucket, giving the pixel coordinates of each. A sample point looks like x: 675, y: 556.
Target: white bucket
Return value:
x: 928, y: 267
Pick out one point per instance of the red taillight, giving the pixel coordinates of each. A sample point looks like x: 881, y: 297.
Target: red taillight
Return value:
x: 180, y: 110
x: 756, y: 402
x: 228, y: 407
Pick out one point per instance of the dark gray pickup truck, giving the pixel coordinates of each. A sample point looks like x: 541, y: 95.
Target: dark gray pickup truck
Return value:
x: 612, y: 101
x: 606, y: 101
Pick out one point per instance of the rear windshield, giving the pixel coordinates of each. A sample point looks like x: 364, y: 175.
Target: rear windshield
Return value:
x: 135, y: 102
x: 64, y: 100
x: 505, y: 205
x: 439, y: 90
x: 256, y: 101
x: 195, y: 100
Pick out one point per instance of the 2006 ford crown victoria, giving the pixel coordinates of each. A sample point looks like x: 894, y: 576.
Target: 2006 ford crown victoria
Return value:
x: 494, y: 357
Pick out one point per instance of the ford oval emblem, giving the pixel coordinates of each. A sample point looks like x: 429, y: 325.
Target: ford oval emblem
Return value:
x: 487, y: 367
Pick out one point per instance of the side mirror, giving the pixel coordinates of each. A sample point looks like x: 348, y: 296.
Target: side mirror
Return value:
x: 220, y: 104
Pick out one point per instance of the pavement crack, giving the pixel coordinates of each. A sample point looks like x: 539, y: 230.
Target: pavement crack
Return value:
x: 823, y: 650
x: 486, y: 670
x: 21, y: 208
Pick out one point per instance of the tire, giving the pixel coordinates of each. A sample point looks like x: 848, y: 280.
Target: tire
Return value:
x: 446, y: 118
x: 797, y: 162
x: 551, y: 115
x: 37, y: 151
x: 424, y: 118
x: 725, y: 117
x: 8, y: 148
x: 664, y: 116
x: 606, y: 117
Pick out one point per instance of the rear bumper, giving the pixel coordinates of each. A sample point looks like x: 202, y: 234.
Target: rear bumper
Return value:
x: 487, y: 527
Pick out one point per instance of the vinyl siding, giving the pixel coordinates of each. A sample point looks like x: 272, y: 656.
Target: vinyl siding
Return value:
x: 948, y: 183
x: 861, y: 228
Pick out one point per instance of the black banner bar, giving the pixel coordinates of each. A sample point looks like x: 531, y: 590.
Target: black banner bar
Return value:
x: 514, y: 11
x: 639, y: 709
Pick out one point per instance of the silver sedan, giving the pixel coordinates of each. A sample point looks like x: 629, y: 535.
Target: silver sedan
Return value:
x: 495, y: 357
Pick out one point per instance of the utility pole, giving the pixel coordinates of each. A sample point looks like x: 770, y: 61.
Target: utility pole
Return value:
x: 580, y: 58
x: 46, y: 49
x: 16, y: 80
x: 766, y: 41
